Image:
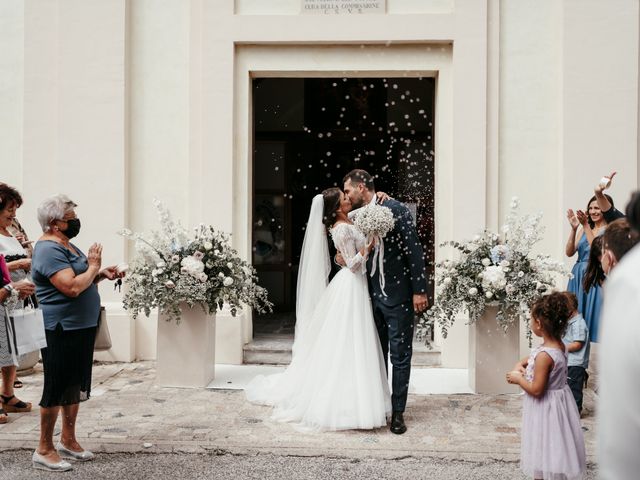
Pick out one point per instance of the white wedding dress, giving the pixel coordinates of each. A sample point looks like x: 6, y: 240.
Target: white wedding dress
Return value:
x: 337, y: 378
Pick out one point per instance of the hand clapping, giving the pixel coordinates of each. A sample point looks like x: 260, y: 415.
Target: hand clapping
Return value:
x: 582, y: 217
x: 573, y: 220
x: 94, y: 256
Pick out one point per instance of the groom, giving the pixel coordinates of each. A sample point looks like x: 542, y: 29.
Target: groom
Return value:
x: 406, y: 287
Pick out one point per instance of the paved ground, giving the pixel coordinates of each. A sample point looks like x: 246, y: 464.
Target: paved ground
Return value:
x: 141, y: 466
x: 143, y: 426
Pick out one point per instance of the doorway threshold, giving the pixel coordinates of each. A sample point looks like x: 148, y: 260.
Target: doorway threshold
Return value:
x: 275, y: 349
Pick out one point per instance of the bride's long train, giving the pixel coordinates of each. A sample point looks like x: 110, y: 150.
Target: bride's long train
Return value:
x: 337, y: 378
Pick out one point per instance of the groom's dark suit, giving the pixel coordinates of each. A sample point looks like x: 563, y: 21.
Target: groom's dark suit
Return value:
x: 404, y: 274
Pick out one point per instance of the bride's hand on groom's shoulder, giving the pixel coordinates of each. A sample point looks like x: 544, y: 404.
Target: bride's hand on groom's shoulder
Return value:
x: 382, y: 197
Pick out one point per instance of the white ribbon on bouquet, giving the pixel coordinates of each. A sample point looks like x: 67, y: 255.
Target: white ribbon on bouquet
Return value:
x: 378, y: 261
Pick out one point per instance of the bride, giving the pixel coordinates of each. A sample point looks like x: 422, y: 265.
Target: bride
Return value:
x: 337, y: 378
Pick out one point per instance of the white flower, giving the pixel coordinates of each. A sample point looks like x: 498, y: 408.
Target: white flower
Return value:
x: 520, y: 274
x: 161, y: 264
x: 493, y: 277
x: 216, y: 252
x: 207, y: 245
x: 202, y: 277
x: 510, y: 289
x: 221, y: 275
x: 192, y: 266
x: 175, y: 259
x: 228, y: 281
x: 488, y: 294
x: 229, y: 265
x: 486, y: 262
x: 505, y: 263
x: 447, y: 280
x: 169, y: 284
x: 473, y: 291
x: 198, y: 255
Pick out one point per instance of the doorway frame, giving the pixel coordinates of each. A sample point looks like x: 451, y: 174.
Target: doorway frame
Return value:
x: 307, y: 61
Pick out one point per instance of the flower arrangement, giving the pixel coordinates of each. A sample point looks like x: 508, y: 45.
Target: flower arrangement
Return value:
x: 174, y: 265
x: 495, y: 270
x: 374, y: 221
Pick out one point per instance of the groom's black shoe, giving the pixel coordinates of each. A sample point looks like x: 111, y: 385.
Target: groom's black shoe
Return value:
x: 397, y: 423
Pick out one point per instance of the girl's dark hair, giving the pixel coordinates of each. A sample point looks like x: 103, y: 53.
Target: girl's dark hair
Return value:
x: 9, y: 195
x: 552, y: 311
x: 592, y: 199
x: 594, y: 275
x: 331, y: 198
x: 633, y: 211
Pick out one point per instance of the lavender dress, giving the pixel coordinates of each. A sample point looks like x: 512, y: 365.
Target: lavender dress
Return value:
x: 552, y: 441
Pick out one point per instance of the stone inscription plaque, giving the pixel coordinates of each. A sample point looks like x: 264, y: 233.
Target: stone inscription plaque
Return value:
x: 342, y: 7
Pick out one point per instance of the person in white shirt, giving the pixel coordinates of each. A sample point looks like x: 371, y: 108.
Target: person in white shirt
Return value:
x: 619, y: 392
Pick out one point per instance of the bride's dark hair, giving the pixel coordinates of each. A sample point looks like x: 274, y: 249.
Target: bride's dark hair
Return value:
x: 331, y: 197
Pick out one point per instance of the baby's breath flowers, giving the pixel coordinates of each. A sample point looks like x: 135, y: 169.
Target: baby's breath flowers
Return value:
x: 175, y: 266
x: 494, y: 270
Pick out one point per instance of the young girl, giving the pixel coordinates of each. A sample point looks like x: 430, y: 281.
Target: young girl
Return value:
x: 552, y: 446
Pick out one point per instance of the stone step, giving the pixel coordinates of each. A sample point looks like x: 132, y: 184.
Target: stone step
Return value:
x: 276, y: 350
x: 269, y: 350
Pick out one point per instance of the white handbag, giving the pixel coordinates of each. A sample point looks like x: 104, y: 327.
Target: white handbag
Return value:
x: 103, y: 338
x: 28, y: 327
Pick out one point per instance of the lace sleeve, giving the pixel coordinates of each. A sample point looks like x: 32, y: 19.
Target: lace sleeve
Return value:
x: 345, y: 243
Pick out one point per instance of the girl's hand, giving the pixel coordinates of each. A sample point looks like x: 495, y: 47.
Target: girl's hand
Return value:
x: 573, y: 220
x: 582, y: 217
x: 514, y: 377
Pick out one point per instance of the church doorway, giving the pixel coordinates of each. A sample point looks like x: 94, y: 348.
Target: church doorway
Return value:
x: 307, y: 134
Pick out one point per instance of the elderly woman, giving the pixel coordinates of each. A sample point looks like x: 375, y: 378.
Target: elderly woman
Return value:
x: 8, y: 360
x: 18, y: 265
x: 66, y: 288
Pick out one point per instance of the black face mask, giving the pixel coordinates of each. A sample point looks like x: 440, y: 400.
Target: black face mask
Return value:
x: 73, y: 228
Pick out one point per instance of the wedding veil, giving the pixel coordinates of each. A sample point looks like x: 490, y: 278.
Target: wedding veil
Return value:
x: 314, y: 268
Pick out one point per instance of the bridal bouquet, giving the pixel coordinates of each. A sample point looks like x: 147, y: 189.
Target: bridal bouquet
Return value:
x: 495, y: 270
x: 375, y: 222
x: 197, y: 267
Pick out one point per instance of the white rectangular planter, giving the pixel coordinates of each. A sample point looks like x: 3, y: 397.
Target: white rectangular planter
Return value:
x: 492, y: 353
x: 186, y: 351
